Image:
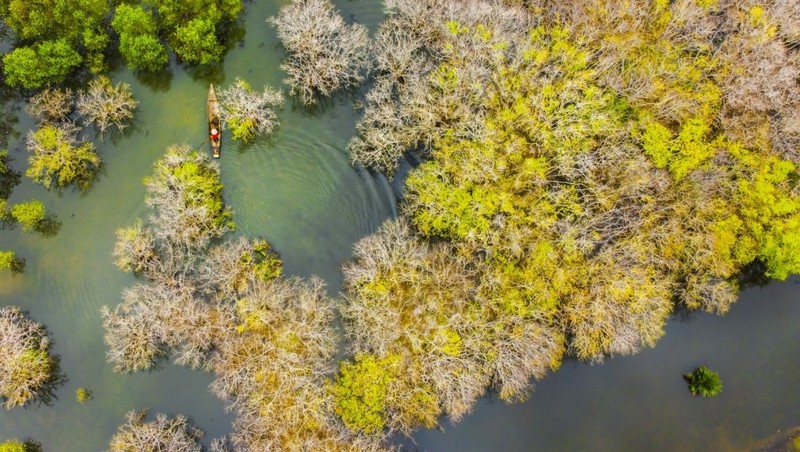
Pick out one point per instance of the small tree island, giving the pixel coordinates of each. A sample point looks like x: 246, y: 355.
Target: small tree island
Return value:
x: 28, y: 372
x: 704, y: 382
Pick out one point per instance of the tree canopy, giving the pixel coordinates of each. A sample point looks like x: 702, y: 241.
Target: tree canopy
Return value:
x: 44, y: 63
x: 138, y: 38
x: 28, y: 371
x: 248, y: 113
x: 163, y: 433
x: 59, y: 159
x: 587, y: 169
x: 59, y: 35
x: 193, y: 27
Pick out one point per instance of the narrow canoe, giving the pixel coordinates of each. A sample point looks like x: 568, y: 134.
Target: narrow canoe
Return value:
x: 213, y: 121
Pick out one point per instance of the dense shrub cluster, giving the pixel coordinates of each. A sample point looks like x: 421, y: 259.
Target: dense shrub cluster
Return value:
x: 55, y: 37
x: 223, y: 307
x: 588, y: 167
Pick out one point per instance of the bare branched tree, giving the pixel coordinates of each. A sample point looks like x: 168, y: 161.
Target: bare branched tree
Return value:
x: 28, y: 371
x: 762, y: 83
x: 132, y: 335
x: 51, y: 105
x: 324, y: 54
x: 247, y: 113
x: 153, y: 319
x: 162, y: 434
x: 106, y: 104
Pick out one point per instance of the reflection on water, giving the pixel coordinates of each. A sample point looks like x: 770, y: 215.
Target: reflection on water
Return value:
x: 298, y: 190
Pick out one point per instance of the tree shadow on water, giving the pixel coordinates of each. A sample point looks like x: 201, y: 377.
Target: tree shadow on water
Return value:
x: 48, y: 227
x: 8, y: 177
x: 158, y: 81
x: 208, y: 73
x: 47, y: 392
x: 754, y: 275
x: 8, y: 118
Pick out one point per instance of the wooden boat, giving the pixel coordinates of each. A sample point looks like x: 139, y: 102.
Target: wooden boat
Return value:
x: 214, y: 121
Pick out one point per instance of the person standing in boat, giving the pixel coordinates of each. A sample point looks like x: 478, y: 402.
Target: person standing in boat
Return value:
x: 214, y: 135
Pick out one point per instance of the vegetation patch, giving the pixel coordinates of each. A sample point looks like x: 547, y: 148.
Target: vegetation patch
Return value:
x: 83, y: 395
x: 704, y: 382
x: 163, y: 433
x: 20, y: 446
x: 586, y: 169
x: 223, y: 307
x: 324, y: 54
x: 247, y: 113
x: 28, y: 372
x: 56, y: 37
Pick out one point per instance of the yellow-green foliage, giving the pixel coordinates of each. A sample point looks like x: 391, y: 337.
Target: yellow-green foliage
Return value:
x: 769, y: 207
x: 367, y: 388
x: 83, y: 395
x: 681, y: 153
x: 30, y: 214
x: 559, y: 156
x: 361, y: 390
x: 745, y: 197
x: 9, y: 261
x: 6, y: 258
x: 31, y: 365
x: 266, y: 263
x: 56, y: 161
x: 242, y: 129
x: 531, y: 141
x: 247, y: 113
x: 652, y: 59
x: 27, y: 370
x: 198, y: 181
x: 13, y: 446
x: 202, y: 186
x: 582, y: 180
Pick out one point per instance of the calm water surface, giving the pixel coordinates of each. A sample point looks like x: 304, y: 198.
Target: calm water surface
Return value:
x: 297, y: 190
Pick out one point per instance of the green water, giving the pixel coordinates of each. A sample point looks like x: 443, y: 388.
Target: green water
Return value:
x: 297, y: 190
